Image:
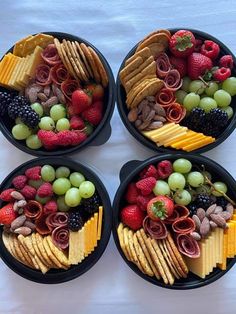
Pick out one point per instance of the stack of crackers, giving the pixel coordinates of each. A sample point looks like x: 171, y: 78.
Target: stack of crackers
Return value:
x: 81, y: 61
x: 159, y: 258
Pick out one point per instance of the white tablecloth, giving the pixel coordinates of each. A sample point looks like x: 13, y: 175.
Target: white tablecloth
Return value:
x: 114, y: 27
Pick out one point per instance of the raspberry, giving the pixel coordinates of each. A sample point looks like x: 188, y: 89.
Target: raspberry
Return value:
x: 149, y: 171
x: 45, y: 190
x: 50, y: 207
x: 210, y: 49
x: 6, y: 195
x: 33, y: 173
x: 77, y: 137
x: 76, y: 123
x: 226, y: 62
x: 67, y: 137
x: 29, y: 192
x: 222, y: 74
x: 131, y: 194
x: 164, y: 169
x: 19, y: 182
x: 146, y: 185
x: 49, y: 139
x: 142, y: 201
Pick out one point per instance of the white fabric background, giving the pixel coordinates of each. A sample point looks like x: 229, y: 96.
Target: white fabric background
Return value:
x: 114, y: 27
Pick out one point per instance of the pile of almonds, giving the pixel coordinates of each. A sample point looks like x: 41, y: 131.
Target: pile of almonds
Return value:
x: 148, y: 115
x: 213, y: 217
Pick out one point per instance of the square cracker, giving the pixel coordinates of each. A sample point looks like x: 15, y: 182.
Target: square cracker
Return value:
x: 139, y: 69
x: 144, y: 53
x: 160, y: 38
x: 134, y: 91
x: 134, y: 64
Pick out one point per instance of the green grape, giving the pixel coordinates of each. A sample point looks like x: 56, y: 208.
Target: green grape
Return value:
x: 46, y: 123
x: 195, y: 179
x: 219, y: 186
x: 186, y: 83
x: 48, y: 173
x: 176, y: 181
x: 62, y: 172
x: 182, y: 165
x: 203, y: 189
x: 21, y: 131
x: 207, y: 103
x: 62, y: 204
x: 161, y: 188
x: 182, y: 197
x: 61, y: 186
x: 38, y: 108
x: 180, y: 95
x: 191, y: 101
x: 229, y: 111
x: 18, y: 121
x: 57, y: 112
x: 88, y: 128
x: 33, y: 142
x: 213, y: 87
x: 72, y: 197
x: 229, y: 85
x: 222, y: 98
x: 86, y: 189
x: 63, y: 124
x: 76, y: 178
x: 42, y: 200
x: 35, y: 183
x: 197, y: 87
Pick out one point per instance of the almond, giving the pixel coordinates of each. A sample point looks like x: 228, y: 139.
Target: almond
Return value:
x: 201, y: 213
x: 23, y: 230
x: 230, y: 209
x: 18, y: 222
x: 210, y: 210
x: 197, y: 221
x: 133, y: 115
x: 213, y: 225
x: 205, y: 227
x: 226, y: 215
x: 17, y: 196
x: 220, y: 221
x: 29, y: 224
x: 195, y: 235
x: 21, y: 203
x: 218, y: 210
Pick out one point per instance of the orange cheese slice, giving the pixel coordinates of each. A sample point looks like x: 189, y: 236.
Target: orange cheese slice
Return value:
x: 200, y: 143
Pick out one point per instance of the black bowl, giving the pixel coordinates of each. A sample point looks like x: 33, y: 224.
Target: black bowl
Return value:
x: 128, y: 173
x: 102, y: 132
x: 59, y: 276
x: 123, y: 111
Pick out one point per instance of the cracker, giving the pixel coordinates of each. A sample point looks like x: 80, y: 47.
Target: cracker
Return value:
x: 138, y: 70
x: 144, y: 53
x: 37, y: 251
x: 91, y: 62
x: 160, y: 38
x: 78, y: 60
x: 146, y: 253
x: 11, y: 244
x: 6, y: 241
x: 156, y: 49
x: 21, y: 238
x: 80, y: 52
x: 59, y: 254
x: 69, y: 66
x: 26, y: 255
x: 168, y: 259
x: 18, y: 251
x: 173, y: 258
x: 141, y: 257
x: 100, y: 67
x: 51, y: 255
x: 19, y: 45
x: 132, y: 250
x: 59, y: 50
x: 78, y: 74
x: 137, y: 61
x: 165, y: 31
x: 126, y: 242
x: 39, y: 240
x: 134, y: 91
x: 121, y: 240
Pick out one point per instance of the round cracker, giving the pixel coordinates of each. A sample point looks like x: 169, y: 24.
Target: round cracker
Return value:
x: 100, y: 67
x: 59, y: 254
x: 77, y: 58
x: 6, y: 241
x: 26, y: 255
x: 67, y: 61
x: 51, y: 255
x: 37, y: 251
x: 173, y: 259
x: 121, y: 240
x: 77, y: 48
x: 166, y: 255
x: 42, y: 250
x: 89, y: 57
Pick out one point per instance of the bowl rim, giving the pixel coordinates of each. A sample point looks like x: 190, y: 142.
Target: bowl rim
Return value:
x: 60, y: 276
x: 127, y: 173
x: 144, y: 141
x: 102, y: 132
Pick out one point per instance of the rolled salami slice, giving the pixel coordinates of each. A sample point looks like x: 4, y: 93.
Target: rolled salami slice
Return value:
x: 165, y: 97
x: 173, y: 80
x: 163, y: 65
x: 182, y: 210
x: 59, y: 73
x: 41, y: 226
x: 42, y: 75
x: 57, y: 219
x: 156, y: 229
x: 188, y: 246
x: 175, y: 112
x: 183, y: 225
x: 33, y: 209
x: 50, y: 55
x: 60, y: 237
x: 172, y: 218
x: 68, y: 87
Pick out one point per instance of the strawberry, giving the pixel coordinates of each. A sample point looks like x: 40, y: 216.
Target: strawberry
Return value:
x: 7, y: 214
x: 221, y: 74
x: 182, y: 43
x: 146, y: 185
x: 94, y: 113
x: 76, y: 123
x: 210, y: 49
x: 131, y: 194
x: 198, y: 64
x: 160, y: 207
x: 96, y: 90
x: 6, y: 195
x: 226, y: 62
x: 149, y: 171
x: 198, y: 45
x: 179, y: 64
x: 164, y: 169
x: 80, y: 101
x: 132, y: 216
x: 142, y: 201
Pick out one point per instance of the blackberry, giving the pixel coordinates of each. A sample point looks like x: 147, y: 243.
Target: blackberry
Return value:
x: 211, y: 130
x: 217, y: 117
x: 75, y: 221
x: 195, y: 120
x: 91, y: 204
x: 192, y: 208
x: 221, y: 201
x: 5, y: 100
x: 203, y: 201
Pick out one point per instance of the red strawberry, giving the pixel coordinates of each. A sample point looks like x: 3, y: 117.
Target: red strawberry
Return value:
x: 198, y: 64
x: 76, y: 123
x: 160, y: 207
x: 221, y: 74
x: 7, y: 214
x: 182, y: 43
x: 164, y: 169
x: 45, y: 190
x: 96, y: 90
x: 19, y: 182
x: 179, y: 64
x: 80, y: 101
x: 94, y: 113
x: 142, y: 201
x: 146, y: 185
x: 149, y: 171
x: 6, y: 195
x: 132, y: 216
x: 210, y: 49
x: 33, y: 173
x: 226, y: 62
x: 198, y: 45
x: 131, y: 194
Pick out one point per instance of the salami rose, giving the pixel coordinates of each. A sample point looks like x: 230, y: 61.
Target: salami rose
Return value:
x: 188, y: 246
x: 33, y: 209
x: 50, y: 55
x: 42, y: 75
x: 163, y: 65
x: 182, y: 210
x: 68, y: 87
x: 165, y: 97
x: 41, y: 226
x: 173, y: 80
x: 175, y: 113
x: 172, y: 218
x: 156, y: 229
x: 60, y: 237
x: 59, y: 73
x: 57, y: 219
x: 183, y: 225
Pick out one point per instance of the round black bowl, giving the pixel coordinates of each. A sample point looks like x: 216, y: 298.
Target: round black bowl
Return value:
x: 59, y: 276
x: 128, y: 173
x: 102, y: 132
x: 123, y: 111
